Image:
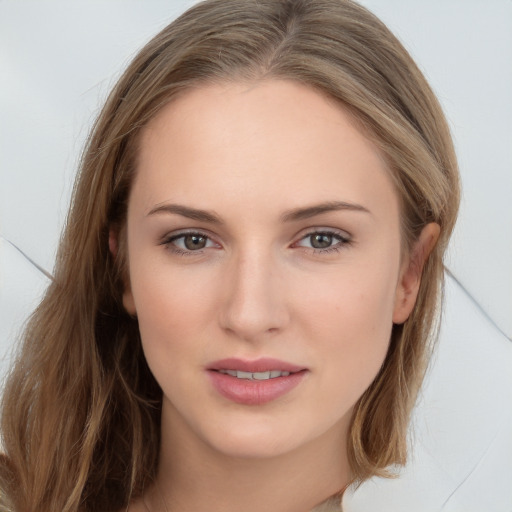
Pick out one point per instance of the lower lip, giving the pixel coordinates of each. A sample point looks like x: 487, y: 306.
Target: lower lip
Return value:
x: 254, y: 392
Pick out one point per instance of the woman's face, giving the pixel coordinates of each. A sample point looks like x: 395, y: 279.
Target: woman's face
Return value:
x: 263, y: 239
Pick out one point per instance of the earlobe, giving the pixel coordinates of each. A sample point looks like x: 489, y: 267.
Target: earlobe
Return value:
x: 128, y: 302
x: 112, y: 242
x: 410, y: 273
x: 113, y: 246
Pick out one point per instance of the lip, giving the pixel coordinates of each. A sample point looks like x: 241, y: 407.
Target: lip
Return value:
x: 263, y: 364
x: 254, y: 392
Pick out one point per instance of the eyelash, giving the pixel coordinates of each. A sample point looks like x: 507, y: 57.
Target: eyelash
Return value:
x: 342, y: 241
x: 168, y: 243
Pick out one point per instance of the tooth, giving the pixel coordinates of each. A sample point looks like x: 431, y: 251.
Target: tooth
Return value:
x: 274, y: 374
x: 223, y: 371
x: 231, y: 372
x: 261, y: 375
x: 244, y: 375
x: 285, y: 374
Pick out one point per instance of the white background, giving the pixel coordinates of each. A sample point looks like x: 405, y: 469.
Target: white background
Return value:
x: 58, y: 60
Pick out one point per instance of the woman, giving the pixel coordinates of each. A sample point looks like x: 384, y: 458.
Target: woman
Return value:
x: 249, y: 277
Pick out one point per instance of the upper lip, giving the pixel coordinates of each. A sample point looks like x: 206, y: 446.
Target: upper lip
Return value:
x: 263, y: 364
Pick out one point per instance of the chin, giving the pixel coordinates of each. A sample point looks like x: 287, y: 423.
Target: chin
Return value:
x: 264, y: 436
x: 250, y: 433
x: 245, y: 444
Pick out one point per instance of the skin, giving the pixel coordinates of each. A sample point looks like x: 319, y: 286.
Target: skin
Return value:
x: 258, y: 288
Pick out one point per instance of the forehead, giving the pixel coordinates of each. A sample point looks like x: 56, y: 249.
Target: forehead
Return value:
x: 268, y: 146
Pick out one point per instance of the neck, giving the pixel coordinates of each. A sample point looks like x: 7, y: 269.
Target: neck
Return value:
x: 194, y: 477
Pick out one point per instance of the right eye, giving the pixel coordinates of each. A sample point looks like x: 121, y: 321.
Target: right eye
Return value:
x: 187, y: 243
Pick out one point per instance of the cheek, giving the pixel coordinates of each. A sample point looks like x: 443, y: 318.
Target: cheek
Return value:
x: 164, y: 293
x: 172, y: 307
x: 350, y: 321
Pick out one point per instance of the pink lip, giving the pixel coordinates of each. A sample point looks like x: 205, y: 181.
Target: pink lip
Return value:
x: 254, y: 392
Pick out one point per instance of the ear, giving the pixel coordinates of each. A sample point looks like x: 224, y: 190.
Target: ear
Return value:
x: 113, y: 246
x: 128, y: 302
x: 410, y: 272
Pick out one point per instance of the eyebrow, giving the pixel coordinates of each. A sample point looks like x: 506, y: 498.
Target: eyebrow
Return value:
x: 329, y: 206
x: 187, y: 211
x: 289, y: 216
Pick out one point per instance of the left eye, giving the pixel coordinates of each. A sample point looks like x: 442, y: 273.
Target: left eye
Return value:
x: 190, y: 241
x: 322, y: 240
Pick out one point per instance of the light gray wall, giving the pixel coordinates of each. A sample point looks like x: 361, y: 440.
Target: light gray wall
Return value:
x: 57, y: 63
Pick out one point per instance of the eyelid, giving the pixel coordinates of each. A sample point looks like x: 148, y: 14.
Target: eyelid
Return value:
x: 186, y: 231
x: 169, y: 238
x: 343, y: 237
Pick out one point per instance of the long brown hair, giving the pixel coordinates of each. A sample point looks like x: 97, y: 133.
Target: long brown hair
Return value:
x: 81, y: 410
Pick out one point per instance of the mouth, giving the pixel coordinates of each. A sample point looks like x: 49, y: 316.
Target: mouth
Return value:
x: 259, y: 369
x: 271, y: 374
x: 254, y: 382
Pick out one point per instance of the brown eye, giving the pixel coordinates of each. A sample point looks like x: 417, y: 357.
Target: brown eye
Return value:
x: 194, y: 242
x: 324, y: 241
x: 321, y: 240
x: 187, y: 243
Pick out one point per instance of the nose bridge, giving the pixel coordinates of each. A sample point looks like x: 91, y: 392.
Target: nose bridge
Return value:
x: 254, y: 303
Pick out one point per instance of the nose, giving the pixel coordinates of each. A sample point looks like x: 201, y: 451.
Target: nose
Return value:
x: 254, y: 303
